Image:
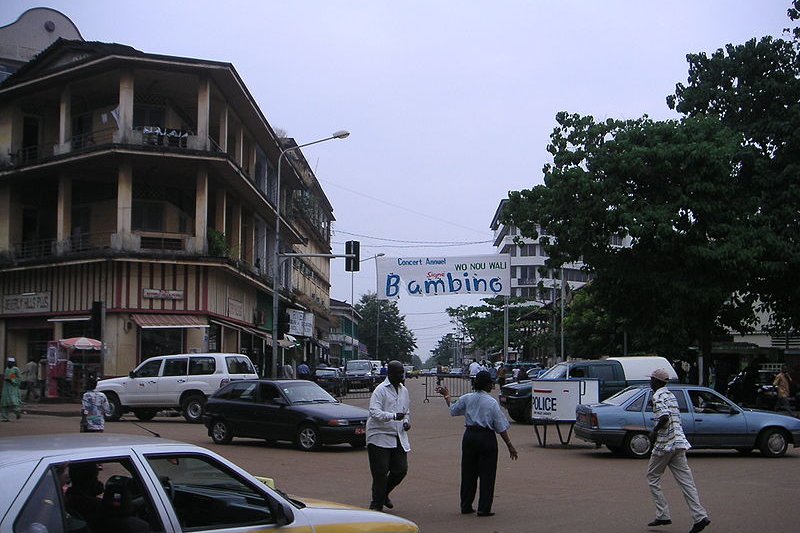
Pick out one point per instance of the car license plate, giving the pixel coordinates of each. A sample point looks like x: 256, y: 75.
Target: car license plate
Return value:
x: 360, y: 431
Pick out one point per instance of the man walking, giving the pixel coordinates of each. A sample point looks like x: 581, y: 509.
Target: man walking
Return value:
x: 669, y: 449
x: 31, y: 375
x: 387, y: 435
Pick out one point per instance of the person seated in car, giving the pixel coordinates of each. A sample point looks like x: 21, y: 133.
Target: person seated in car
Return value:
x: 82, y: 496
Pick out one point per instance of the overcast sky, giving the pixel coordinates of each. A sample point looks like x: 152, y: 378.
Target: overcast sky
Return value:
x: 450, y: 104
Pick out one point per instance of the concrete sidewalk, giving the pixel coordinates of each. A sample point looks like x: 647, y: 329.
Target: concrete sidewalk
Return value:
x: 52, y: 408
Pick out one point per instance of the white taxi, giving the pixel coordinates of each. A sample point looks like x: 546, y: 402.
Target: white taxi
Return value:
x: 96, y: 483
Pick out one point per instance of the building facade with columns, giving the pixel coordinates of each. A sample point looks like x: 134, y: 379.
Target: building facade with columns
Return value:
x: 145, y: 184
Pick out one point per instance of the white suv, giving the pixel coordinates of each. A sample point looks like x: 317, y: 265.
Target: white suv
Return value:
x: 181, y: 382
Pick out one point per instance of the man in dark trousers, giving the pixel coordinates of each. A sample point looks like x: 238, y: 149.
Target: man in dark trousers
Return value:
x: 387, y: 435
x: 669, y: 449
x: 482, y: 419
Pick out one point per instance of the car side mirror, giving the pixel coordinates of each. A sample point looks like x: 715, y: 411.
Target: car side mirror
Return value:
x: 733, y: 411
x: 131, y: 374
x: 280, y: 401
x: 282, y: 512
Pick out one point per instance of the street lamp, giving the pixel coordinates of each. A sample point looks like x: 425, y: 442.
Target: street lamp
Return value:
x: 353, y: 305
x: 276, y: 254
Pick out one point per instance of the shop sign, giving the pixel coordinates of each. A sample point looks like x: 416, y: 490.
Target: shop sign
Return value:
x: 235, y: 309
x: 301, y: 323
x: 162, y: 294
x: 28, y: 302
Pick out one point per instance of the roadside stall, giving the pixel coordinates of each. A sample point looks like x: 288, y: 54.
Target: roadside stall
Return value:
x: 69, y: 364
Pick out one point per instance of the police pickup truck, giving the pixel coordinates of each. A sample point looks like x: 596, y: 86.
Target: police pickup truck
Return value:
x: 613, y: 374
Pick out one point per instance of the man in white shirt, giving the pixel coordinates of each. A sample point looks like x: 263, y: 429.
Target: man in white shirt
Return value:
x: 474, y: 368
x: 387, y: 435
x: 669, y: 450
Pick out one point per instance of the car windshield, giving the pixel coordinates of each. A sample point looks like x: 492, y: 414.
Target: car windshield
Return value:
x: 326, y: 373
x: 557, y: 372
x: 623, y: 396
x: 307, y: 393
x: 359, y: 365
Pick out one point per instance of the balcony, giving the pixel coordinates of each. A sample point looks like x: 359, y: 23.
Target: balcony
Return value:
x: 146, y: 137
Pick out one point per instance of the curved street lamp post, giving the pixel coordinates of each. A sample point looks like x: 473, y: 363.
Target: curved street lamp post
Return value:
x: 276, y: 254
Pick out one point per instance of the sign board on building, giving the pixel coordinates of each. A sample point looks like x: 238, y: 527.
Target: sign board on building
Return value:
x: 440, y: 276
x: 556, y: 399
x: 301, y: 323
x: 235, y: 309
x: 162, y: 294
x: 28, y: 302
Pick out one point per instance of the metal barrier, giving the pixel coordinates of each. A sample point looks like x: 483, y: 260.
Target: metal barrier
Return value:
x: 457, y: 385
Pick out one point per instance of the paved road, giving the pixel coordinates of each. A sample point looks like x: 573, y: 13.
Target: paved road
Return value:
x: 571, y: 488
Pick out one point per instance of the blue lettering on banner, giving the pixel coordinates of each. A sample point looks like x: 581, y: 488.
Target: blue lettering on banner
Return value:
x: 443, y: 283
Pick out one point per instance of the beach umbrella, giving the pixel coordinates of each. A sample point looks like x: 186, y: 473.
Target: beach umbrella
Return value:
x: 81, y: 343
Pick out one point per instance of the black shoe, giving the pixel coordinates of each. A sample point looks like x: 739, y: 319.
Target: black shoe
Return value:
x: 388, y: 503
x: 700, y: 526
x: 468, y: 510
x: 485, y: 513
x: 660, y: 522
x: 375, y: 507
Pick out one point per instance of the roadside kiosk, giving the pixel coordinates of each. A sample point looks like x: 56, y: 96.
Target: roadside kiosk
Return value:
x: 553, y: 402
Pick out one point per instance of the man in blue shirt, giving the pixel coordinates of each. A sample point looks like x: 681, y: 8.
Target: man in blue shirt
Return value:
x: 303, y: 371
x: 482, y: 418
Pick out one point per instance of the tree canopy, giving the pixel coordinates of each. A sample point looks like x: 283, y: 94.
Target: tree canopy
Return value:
x: 383, y: 329
x: 709, y: 201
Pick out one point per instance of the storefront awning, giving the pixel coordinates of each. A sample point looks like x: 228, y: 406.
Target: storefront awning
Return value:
x: 259, y: 333
x: 168, y: 321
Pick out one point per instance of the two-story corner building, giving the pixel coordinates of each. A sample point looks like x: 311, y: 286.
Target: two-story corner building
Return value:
x: 530, y: 278
x: 147, y: 183
x: 344, y: 343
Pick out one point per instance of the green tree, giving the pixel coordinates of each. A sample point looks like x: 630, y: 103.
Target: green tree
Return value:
x: 754, y: 89
x: 528, y: 325
x: 381, y: 322
x: 446, y: 350
x: 680, y: 190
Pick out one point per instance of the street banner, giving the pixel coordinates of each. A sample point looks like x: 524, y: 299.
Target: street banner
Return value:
x: 442, y: 276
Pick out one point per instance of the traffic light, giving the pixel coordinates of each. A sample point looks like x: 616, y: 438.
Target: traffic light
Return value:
x: 352, y: 264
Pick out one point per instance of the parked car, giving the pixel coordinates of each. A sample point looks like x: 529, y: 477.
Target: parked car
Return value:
x: 411, y: 372
x: 361, y: 375
x: 331, y: 379
x: 456, y: 371
x: 709, y: 420
x: 613, y: 375
x: 298, y: 411
x: 182, y: 381
x: 153, y: 484
x: 754, y: 389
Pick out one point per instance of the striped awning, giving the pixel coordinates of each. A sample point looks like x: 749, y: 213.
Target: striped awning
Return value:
x: 168, y: 321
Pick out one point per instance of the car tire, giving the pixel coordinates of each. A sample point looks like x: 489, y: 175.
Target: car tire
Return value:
x: 115, y: 405
x: 192, y: 408
x: 773, y: 443
x: 145, y: 414
x: 221, y: 432
x: 308, y: 438
x: 637, y: 445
